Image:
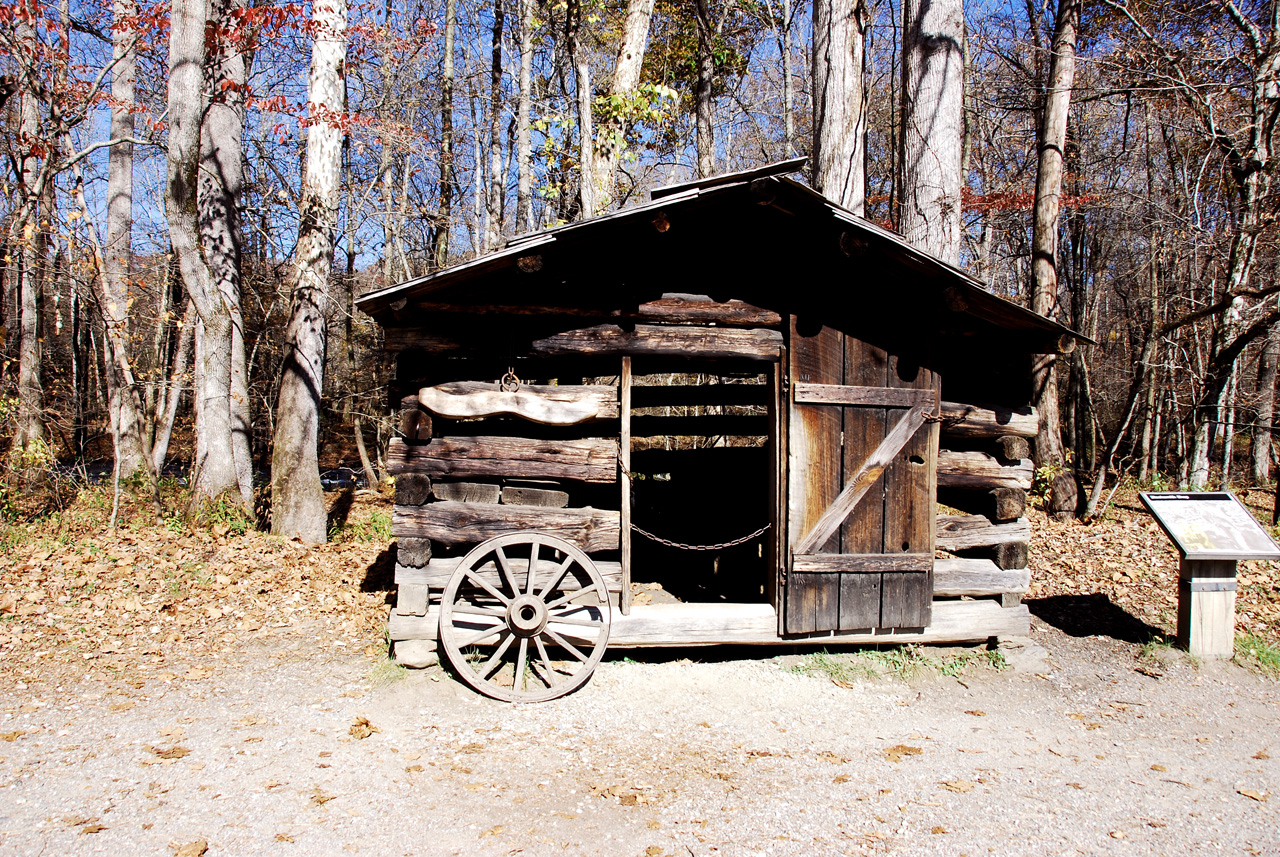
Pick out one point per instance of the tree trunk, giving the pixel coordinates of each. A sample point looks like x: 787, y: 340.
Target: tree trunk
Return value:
x: 497, y: 189
x: 524, y: 145
x: 626, y: 77
x: 30, y: 428
x: 444, y: 217
x: 582, y: 86
x: 1044, y: 236
x: 932, y: 125
x: 839, y: 101
x: 1262, y: 434
x: 297, y: 500
x: 221, y: 182
x: 214, y: 468
x: 702, y: 95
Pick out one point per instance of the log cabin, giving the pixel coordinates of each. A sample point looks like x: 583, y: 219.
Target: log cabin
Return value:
x: 737, y: 413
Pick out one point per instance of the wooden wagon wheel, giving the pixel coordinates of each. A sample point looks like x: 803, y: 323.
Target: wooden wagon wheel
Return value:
x: 525, y: 617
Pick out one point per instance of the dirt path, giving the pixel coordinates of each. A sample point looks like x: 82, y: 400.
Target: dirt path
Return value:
x: 1080, y: 753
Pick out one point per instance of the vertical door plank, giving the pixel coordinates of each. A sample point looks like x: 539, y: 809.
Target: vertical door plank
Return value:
x: 776, y: 540
x: 910, y: 520
x: 814, y: 471
x: 624, y: 480
x: 863, y: 531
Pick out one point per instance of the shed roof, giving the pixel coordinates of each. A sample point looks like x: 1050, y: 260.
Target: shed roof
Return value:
x: 716, y: 197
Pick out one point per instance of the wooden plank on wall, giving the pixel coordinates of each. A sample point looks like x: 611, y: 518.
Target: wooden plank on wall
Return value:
x: 624, y: 480
x: 963, y: 420
x: 865, y: 365
x: 651, y: 340
x: 960, y: 532
x: 547, y: 404
x: 585, y: 460
x: 452, y: 523
x: 694, y: 395
x: 813, y: 470
x: 437, y: 572
x: 971, y: 469
x: 861, y: 563
x: 977, y: 577
x: 910, y: 492
x: 870, y: 396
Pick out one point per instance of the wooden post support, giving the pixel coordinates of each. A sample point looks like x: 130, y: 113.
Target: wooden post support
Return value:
x: 1207, y: 607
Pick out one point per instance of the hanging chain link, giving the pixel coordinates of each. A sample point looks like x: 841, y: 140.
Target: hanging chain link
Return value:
x: 510, y: 382
x: 684, y: 547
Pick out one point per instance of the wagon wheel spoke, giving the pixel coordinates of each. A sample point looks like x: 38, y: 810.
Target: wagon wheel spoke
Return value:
x: 522, y: 657
x: 479, y: 581
x: 496, y: 658
x: 507, y: 574
x: 546, y: 662
x: 534, y: 545
x: 566, y: 645
x: 477, y: 610
x: 483, y: 635
x: 572, y: 596
x: 559, y: 576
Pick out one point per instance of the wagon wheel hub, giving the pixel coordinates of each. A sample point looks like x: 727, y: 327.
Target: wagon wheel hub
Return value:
x: 527, y: 616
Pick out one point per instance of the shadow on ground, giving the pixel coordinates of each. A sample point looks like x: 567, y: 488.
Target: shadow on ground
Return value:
x: 1093, y: 615
x: 380, y: 576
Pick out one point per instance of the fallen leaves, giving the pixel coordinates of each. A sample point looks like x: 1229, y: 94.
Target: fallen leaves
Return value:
x: 976, y: 712
x: 1253, y: 794
x: 174, y: 752
x: 361, y: 728
x: 319, y: 797
x: 192, y: 849
x: 12, y: 736
x: 957, y: 786
x: 898, y: 751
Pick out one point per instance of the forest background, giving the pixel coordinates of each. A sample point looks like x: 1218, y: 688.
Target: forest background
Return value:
x: 195, y: 193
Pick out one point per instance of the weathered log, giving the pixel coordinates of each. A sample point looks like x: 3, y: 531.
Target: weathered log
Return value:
x: 545, y: 404
x: 412, y: 552
x: 962, y: 420
x: 959, y: 532
x: 436, y: 574
x: 980, y: 470
x: 998, y: 504
x: 468, y: 492
x: 411, y: 599
x: 585, y: 460
x: 1011, y: 555
x: 453, y: 523
x: 1064, y: 496
x: 518, y: 495
x: 757, y: 624
x: 694, y: 395
x: 1013, y: 448
x: 415, y: 423
x: 875, y: 563
x: 976, y: 577
x: 412, y: 489
x: 612, y: 340
x: 709, y: 425
x: 881, y: 397
x: 672, y: 309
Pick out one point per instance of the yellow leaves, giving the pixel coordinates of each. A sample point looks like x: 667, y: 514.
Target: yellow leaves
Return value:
x: 898, y: 751
x: 319, y: 797
x: 1253, y: 794
x: 976, y: 712
x: 174, y: 752
x: 361, y: 728
x: 192, y: 849
x: 11, y: 736
x: 957, y: 786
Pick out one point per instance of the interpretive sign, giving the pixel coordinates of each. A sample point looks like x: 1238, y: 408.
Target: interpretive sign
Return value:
x: 1210, y: 525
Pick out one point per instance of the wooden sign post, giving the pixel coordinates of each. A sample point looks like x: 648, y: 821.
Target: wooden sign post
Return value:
x: 1212, y: 531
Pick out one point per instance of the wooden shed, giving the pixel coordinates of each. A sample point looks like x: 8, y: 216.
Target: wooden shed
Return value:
x: 736, y: 414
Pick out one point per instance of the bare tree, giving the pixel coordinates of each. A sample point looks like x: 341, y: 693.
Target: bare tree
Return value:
x: 839, y: 101
x: 297, y: 500
x: 932, y: 125
x: 703, y: 103
x: 584, y: 97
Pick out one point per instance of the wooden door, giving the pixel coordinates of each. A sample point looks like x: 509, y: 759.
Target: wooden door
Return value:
x: 862, y: 479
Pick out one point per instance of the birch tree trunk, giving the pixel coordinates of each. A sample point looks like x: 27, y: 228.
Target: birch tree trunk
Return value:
x: 932, y: 125
x: 1262, y: 433
x: 839, y: 101
x: 444, y: 216
x: 221, y: 182
x: 297, y: 500
x: 30, y: 428
x: 1044, y: 238
x: 214, y: 467
x: 702, y: 95
x: 524, y: 144
x: 117, y: 259
x: 582, y: 86
x: 626, y: 77
x: 493, y: 222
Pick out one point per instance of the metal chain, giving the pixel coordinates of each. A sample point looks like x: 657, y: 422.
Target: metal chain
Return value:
x: 510, y: 382
x: 722, y: 546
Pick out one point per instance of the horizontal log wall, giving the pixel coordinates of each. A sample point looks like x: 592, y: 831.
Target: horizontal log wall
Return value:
x: 437, y: 572
x: 651, y: 340
x: 452, y: 523
x: 585, y: 460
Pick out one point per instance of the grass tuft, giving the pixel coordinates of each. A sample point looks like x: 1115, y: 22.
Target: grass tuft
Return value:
x: 1258, y: 655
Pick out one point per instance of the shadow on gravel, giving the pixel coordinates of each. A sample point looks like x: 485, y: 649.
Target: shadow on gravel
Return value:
x: 1093, y: 615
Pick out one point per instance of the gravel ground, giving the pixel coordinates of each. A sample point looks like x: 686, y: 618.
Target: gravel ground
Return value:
x: 1083, y: 748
